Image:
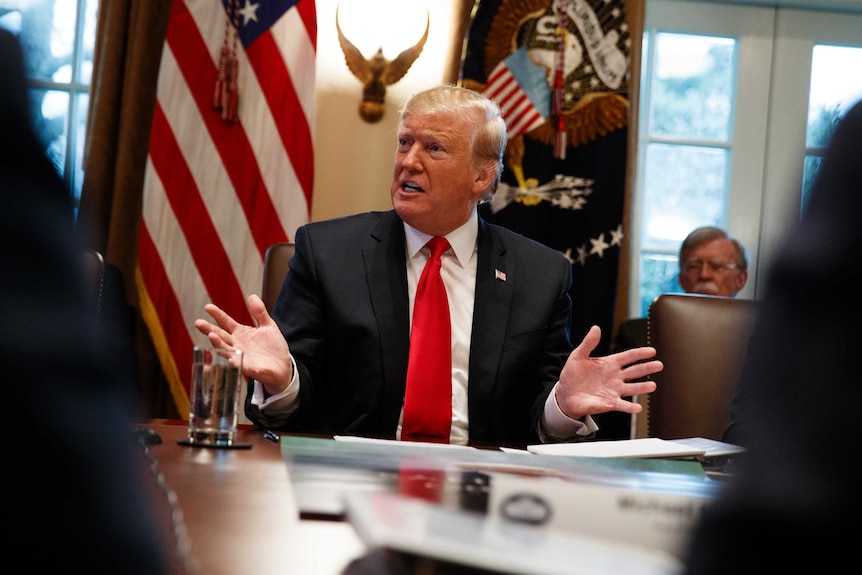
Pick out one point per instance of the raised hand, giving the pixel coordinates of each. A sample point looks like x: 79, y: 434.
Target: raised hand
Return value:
x: 266, y: 356
x: 592, y: 385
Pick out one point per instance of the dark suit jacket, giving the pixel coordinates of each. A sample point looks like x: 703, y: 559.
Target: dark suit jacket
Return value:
x: 344, y: 310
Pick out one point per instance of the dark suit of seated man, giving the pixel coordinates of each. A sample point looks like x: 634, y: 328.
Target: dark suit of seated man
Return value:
x: 345, y: 308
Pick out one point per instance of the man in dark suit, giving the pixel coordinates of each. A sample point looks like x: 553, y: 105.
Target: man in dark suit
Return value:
x: 345, y: 308
x: 795, y: 500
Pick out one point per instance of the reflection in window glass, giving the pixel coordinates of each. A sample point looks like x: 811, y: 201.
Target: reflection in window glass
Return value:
x: 50, y: 109
x: 684, y: 187
x: 686, y: 137
x: 836, y: 84
x: 833, y: 91
x: 82, y: 102
x: 692, y: 87
x: 57, y: 38
x: 809, y: 174
x: 659, y: 274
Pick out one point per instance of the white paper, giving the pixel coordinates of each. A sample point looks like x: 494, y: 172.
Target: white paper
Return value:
x: 711, y: 447
x: 359, y: 439
x: 644, y: 447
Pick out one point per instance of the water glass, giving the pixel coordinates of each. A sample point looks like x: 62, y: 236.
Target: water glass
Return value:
x: 215, y: 397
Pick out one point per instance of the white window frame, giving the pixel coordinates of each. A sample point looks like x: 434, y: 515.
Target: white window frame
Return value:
x: 767, y: 148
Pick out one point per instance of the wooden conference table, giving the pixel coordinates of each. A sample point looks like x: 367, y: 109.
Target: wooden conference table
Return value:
x: 230, y: 511
x: 238, y: 510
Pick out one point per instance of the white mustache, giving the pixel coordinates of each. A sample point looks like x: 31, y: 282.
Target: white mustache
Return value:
x: 706, y: 288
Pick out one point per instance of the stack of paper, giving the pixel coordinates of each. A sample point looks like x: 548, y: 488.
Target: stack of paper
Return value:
x: 413, y: 526
x: 646, y: 447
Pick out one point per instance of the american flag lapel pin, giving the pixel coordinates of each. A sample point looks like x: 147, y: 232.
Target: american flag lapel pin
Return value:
x: 498, y: 275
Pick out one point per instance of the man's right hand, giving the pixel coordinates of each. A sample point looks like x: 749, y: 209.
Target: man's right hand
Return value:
x: 266, y: 355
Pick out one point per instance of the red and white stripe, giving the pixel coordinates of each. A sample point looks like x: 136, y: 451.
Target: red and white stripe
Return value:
x: 217, y: 195
x: 517, y: 109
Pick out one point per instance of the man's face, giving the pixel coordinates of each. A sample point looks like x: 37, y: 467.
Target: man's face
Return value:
x: 435, y: 186
x: 705, y: 270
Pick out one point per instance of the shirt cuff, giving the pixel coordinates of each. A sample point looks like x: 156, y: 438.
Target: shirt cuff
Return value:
x: 559, y: 427
x: 285, y: 402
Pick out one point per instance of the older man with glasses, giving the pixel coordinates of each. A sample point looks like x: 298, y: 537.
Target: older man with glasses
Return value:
x: 712, y: 263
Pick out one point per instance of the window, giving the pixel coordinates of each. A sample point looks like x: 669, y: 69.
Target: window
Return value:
x: 834, y: 89
x: 57, y: 37
x: 737, y: 105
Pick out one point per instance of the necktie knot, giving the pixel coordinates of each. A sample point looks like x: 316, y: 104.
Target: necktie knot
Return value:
x: 437, y: 245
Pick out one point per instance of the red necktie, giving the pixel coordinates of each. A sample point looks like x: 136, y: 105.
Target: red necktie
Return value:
x: 428, y: 399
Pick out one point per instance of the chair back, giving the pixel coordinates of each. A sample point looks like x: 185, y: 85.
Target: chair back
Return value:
x: 702, y: 341
x: 275, y: 268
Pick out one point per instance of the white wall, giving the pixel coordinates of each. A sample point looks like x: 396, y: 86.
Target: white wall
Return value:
x: 353, y: 158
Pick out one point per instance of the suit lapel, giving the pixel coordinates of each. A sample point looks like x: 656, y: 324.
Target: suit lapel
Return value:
x: 494, y: 280
x: 386, y: 276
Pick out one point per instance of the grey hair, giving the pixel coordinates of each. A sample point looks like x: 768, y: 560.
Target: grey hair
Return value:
x: 704, y: 234
x: 490, y: 137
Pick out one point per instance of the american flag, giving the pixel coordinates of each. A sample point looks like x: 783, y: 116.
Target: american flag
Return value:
x: 217, y: 193
x: 519, y: 88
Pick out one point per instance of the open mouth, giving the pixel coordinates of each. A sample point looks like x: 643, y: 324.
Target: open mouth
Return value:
x: 411, y: 187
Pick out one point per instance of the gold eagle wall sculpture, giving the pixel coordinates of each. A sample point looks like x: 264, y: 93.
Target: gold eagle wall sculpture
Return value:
x: 377, y: 72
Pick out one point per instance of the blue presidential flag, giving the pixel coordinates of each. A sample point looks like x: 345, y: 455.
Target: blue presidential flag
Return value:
x: 559, y: 69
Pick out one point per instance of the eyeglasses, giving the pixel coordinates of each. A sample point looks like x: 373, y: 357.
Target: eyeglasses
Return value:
x: 716, y: 267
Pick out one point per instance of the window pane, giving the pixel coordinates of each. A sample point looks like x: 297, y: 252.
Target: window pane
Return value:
x: 684, y: 187
x: 52, y: 117
x: 659, y: 274
x: 836, y: 84
x: 82, y: 101
x: 85, y: 65
x: 809, y: 173
x: 692, y: 93
x: 47, y: 33
x: 59, y: 68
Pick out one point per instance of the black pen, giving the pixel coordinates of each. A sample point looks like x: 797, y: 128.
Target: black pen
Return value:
x: 270, y: 435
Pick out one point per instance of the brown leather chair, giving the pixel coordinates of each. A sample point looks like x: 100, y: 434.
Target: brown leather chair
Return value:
x: 275, y: 268
x: 702, y: 341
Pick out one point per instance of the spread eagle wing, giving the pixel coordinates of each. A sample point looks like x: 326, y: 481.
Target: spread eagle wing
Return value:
x: 399, y: 66
x: 356, y: 62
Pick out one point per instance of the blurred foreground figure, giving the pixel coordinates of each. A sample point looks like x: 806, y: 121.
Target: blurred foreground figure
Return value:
x: 795, y: 502
x: 77, y: 500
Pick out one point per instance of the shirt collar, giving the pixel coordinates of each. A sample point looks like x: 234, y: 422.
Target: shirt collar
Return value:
x: 462, y: 239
